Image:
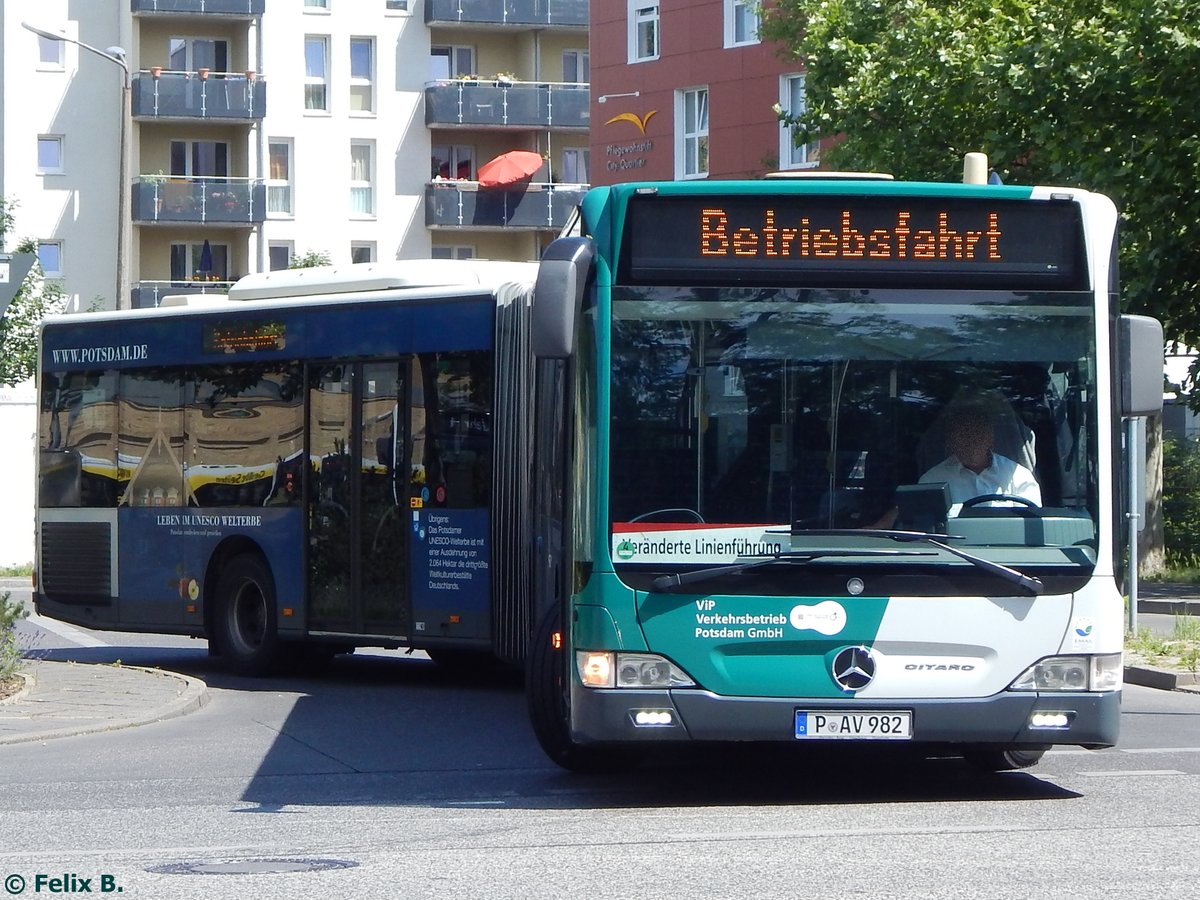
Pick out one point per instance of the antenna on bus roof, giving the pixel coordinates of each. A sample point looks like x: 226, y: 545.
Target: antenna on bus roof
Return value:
x: 975, y: 168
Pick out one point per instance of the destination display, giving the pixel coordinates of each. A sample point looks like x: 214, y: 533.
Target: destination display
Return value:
x: 244, y: 337
x: 823, y: 240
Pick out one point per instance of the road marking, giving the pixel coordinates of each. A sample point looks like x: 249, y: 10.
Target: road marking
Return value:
x: 72, y: 634
x: 1125, y: 774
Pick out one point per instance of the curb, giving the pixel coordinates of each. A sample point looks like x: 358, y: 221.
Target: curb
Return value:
x: 1162, y: 679
x: 194, y: 697
x: 26, y: 684
x: 1169, y: 607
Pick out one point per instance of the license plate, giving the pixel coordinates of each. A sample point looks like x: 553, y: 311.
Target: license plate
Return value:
x: 854, y: 725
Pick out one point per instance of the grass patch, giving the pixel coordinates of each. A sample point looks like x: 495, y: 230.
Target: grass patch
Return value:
x: 16, y: 571
x: 1179, y: 650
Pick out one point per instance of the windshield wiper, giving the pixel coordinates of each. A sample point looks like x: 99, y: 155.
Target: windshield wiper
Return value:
x: 667, y: 582
x: 1026, y: 582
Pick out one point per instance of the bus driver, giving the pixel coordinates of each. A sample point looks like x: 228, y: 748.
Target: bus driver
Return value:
x: 973, y: 468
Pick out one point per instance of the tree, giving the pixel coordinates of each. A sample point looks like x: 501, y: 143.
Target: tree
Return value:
x: 35, y: 299
x: 1099, y: 94
x: 309, y: 260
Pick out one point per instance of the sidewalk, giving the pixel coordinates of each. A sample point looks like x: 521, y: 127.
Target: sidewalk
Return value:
x: 61, y: 699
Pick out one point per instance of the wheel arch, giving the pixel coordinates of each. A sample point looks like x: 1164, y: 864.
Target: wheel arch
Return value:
x: 230, y: 548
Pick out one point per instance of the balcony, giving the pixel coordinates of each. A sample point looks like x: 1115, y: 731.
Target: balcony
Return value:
x: 149, y: 294
x: 222, y: 96
x: 198, y: 201
x: 464, y: 204
x: 242, y: 9
x: 506, y: 104
x: 518, y: 13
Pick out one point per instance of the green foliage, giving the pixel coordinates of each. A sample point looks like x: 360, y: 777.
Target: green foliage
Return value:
x: 35, y: 299
x: 309, y: 260
x: 11, y: 612
x: 1098, y: 94
x: 1181, y: 501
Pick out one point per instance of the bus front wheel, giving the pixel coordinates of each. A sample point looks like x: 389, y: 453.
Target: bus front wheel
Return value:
x: 246, y: 630
x: 547, y: 690
x: 1004, y: 759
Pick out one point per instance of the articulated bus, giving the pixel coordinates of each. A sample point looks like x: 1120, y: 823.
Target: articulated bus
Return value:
x: 690, y: 470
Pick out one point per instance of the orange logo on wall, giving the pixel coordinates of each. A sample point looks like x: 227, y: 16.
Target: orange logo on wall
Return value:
x: 639, y: 121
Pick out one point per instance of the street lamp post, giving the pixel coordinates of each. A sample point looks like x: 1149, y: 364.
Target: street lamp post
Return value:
x: 124, y: 223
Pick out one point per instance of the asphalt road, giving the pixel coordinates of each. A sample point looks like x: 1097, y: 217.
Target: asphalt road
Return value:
x: 388, y: 777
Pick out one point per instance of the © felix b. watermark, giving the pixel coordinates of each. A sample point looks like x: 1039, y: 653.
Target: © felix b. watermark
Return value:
x: 67, y: 883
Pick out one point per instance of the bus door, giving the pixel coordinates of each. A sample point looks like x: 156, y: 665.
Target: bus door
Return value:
x: 357, y: 499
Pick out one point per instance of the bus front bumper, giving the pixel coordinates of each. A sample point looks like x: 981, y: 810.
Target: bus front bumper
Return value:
x: 1093, y: 719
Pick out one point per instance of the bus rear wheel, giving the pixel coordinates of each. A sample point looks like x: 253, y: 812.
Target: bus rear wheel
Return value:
x: 547, y: 690
x: 245, y: 626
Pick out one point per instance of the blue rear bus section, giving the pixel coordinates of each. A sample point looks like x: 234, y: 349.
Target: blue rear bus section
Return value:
x: 771, y: 368
x: 120, y: 550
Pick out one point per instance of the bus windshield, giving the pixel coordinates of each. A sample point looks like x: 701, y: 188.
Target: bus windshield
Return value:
x: 766, y: 416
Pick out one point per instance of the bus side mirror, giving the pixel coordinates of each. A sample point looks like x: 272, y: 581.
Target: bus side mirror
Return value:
x: 1140, y: 357
x: 558, y: 296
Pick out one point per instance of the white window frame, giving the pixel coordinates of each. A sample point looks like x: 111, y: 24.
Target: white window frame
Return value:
x: 52, y: 55
x: 452, y: 251
x: 791, y: 156
x: 58, y: 141
x: 582, y: 61
x: 289, y: 247
x: 646, y: 13
x: 397, y: 7
x: 282, y: 187
x: 363, y: 188
x: 359, y: 84
x: 321, y: 80
x: 749, y: 11
x: 320, y: 7
x: 368, y: 246
x: 582, y: 156
x: 689, y: 136
x: 51, y: 272
x: 454, y: 54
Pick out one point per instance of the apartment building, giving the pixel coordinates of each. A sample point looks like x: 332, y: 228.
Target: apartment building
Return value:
x: 258, y: 132
x: 687, y: 89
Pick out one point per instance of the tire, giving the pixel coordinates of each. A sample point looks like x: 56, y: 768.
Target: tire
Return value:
x: 547, y: 691
x: 465, y: 662
x: 1004, y: 759
x: 246, y: 628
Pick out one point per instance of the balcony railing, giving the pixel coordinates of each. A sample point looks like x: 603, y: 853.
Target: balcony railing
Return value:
x: 225, y: 201
x: 506, y: 104
x: 240, y: 8
x: 541, y: 13
x: 149, y: 294
x: 165, y: 94
x: 464, y: 204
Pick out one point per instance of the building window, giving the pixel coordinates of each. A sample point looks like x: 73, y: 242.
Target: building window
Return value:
x: 452, y: 161
x: 362, y: 251
x: 316, y: 73
x: 451, y: 62
x: 396, y: 5
x: 192, y: 262
x: 190, y: 54
x: 200, y: 159
x: 643, y: 31
x: 50, y: 256
x: 362, y: 182
x: 279, y: 255
x: 50, y: 154
x: 362, y: 74
x: 279, y: 178
x: 575, y: 165
x: 316, y: 5
x: 577, y: 68
x: 453, y: 251
x: 793, y: 155
x: 741, y: 22
x: 691, y: 133
x: 50, y: 54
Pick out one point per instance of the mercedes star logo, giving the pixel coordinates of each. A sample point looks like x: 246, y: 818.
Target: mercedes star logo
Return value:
x: 853, y: 668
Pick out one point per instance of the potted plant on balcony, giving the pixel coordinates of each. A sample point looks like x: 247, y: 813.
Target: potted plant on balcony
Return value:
x: 505, y: 79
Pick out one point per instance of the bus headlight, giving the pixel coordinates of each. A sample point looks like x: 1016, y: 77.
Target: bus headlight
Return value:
x: 1072, y: 673
x: 605, y: 669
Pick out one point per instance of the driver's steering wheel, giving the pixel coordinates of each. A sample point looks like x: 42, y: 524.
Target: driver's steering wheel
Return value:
x: 1001, y: 498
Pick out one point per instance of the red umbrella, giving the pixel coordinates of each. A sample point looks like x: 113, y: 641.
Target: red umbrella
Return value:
x: 509, y: 168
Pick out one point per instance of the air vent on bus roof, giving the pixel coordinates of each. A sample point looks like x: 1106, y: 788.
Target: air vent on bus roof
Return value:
x: 363, y: 277
x: 829, y: 175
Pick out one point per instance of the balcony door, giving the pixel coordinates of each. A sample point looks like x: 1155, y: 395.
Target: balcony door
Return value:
x: 200, y: 159
x: 187, y: 54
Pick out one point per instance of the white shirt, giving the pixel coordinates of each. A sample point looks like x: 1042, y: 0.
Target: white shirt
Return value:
x: 1003, y: 476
